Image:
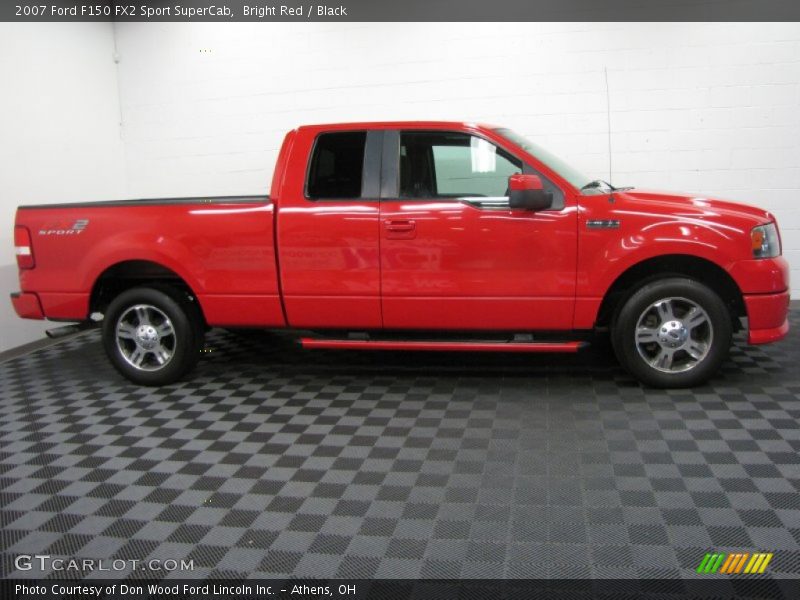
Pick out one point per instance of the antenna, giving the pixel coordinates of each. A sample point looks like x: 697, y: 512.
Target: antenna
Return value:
x: 608, y: 116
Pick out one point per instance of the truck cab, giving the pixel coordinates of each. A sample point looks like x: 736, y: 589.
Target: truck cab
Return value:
x: 412, y: 229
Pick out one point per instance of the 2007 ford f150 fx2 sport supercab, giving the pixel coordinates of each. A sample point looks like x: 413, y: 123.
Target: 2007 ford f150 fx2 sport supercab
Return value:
x: 416, y: 236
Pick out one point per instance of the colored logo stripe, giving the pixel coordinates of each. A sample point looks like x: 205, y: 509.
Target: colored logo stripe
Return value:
x: 721, y: 562
x: 728, y: 563
x: 711, y: 562
x: 758, y: 563
x: 735, y: 562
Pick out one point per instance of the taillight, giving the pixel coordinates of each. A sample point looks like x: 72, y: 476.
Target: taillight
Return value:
x: 23, y: 247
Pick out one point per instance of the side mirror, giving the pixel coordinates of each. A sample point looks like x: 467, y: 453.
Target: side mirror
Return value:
x: 527, y: 193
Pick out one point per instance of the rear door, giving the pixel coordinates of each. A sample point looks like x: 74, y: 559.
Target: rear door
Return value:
x: 453, y: 255
x: 327, y: 230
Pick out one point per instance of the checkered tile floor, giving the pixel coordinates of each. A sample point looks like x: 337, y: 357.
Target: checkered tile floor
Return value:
x: 271, y: 461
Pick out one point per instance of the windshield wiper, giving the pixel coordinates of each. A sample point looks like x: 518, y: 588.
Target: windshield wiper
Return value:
x: 596, y: 184
x: 599, y: 182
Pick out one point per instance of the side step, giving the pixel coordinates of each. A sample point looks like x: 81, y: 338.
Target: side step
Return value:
x: 441, y: 346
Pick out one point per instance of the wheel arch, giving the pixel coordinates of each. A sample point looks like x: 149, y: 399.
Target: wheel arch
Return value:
x: 671, y: 265
x: 128, y: 274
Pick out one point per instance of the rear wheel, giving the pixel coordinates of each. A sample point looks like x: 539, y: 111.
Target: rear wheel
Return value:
x: 153, y: 336
x: 673, y: 332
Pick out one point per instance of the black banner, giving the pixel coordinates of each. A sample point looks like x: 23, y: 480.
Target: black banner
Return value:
x: 399, y: 10
x: 721, y: 588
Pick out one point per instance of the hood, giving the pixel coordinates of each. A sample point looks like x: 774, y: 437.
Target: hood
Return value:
x: 693, y: 206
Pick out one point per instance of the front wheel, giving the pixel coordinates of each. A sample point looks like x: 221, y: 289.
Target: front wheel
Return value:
x: 152, y: 336
x: 673, y: 333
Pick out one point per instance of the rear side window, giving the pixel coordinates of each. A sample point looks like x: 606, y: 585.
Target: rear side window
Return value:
x: 337, y: 165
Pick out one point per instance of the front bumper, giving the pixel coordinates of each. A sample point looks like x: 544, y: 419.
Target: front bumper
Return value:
x: 767, y: 317
x: 765, y: 286
x: 27, y: 305
x: 761, y: 275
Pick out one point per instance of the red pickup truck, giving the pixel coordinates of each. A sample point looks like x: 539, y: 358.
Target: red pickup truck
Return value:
x: 413, y: 236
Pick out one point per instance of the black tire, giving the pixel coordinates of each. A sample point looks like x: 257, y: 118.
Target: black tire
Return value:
x: 166, y: 310
x: 683, y: 351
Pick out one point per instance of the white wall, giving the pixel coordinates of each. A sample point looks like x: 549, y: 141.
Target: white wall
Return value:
x: 59, y: 133
x: 706, y: 108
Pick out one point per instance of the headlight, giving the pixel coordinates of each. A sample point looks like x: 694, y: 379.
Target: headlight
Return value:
x: 765, y: 240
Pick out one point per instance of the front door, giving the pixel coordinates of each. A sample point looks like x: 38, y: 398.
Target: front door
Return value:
x: 453, y: 255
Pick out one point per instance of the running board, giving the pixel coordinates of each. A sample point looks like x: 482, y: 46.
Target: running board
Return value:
x: 440, y: 346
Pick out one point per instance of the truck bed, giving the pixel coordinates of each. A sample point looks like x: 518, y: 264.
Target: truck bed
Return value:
x: 222, y: 247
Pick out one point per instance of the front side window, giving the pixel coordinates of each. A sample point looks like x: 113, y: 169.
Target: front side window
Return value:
x: 453, y: 165
x: 337, y: 165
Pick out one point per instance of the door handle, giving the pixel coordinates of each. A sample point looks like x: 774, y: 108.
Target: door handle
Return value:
x: 400, y: 225
x: 400, y: 229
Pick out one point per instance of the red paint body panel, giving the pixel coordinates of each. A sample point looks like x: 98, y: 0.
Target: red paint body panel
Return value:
x: 767, y: 316
x: 218, y: 250
x: 478, y: 314
x: 237, y: 310
x: 586, y: 310
x: 27, y: 306
x: 327, y: 249
x: 550, y: 347
x: 389, y: 263
x: 64, y: 305
x: 768, y: 336
x: 478, y: 269
x: 472, y: 269
x: 761, y: 276
x: 652, y: 225
x: 524, y: 182
x: 334, y: 312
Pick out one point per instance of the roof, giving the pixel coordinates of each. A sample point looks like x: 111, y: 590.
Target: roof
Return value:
x: 401, y: 125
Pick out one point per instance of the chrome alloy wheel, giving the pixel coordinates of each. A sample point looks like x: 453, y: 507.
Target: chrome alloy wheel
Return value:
x: 674, y: 335
x: 145, y: 337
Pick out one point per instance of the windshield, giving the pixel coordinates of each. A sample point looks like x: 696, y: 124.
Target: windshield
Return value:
x: 572, y: 175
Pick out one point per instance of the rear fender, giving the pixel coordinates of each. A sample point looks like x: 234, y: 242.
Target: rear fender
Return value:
x: 164, y: 251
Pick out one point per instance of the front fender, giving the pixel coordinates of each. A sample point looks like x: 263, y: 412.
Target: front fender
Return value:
x: 605, y: 254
